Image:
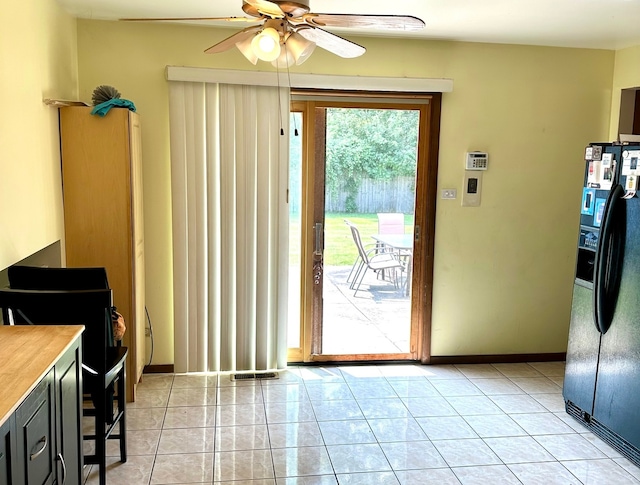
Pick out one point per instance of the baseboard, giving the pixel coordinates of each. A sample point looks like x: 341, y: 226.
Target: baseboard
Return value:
x: 158, y: 369
x: 435, y: 360
x: 496, y: 359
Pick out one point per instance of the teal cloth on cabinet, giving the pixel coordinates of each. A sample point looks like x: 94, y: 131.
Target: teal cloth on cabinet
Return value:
x: 103, y: 108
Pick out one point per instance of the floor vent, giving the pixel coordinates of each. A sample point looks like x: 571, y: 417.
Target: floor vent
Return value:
x: 616, y: 441
x: 260, y: 376
x: 610, y: 437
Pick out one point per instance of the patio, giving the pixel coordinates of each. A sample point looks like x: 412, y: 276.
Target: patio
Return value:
x: 375, y: 321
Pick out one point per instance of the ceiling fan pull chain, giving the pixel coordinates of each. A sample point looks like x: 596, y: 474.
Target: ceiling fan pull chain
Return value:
x: 279, y: 100
x: 295, y: 124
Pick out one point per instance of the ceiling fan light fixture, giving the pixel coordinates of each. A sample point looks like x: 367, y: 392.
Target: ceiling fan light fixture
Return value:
x: 266, y: 44
x: 276, y: 24
x: 285, y: 60
x: 300, y: 47
x: 245, y: 47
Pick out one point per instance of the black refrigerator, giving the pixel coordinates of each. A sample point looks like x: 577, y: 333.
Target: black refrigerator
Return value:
x: 602, y: 377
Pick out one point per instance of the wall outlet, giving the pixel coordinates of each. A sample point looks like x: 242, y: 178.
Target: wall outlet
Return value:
x: 449, y: 193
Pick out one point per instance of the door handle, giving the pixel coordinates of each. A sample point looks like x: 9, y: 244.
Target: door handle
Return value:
x: 317, y: 254
x: 604, y: 264
x: 318, y: 246
x: 35, y: 455
x: 64, y: 469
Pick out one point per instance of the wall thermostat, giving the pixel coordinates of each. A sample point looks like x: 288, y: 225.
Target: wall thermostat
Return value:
x: 476, y: 161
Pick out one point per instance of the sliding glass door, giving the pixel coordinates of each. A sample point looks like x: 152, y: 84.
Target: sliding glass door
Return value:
x: 364, y: 209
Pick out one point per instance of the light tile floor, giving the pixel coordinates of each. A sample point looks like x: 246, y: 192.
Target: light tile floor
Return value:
x: 363, y: 425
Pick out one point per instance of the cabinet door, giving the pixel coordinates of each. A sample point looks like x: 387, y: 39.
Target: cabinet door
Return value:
x: 7, y: 451
x: 35, y: 423
x: 69, y: 417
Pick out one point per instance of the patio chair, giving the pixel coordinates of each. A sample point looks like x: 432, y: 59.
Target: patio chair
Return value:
x: 376, y: 262
x: 357, y: 263
x: 390, y: 223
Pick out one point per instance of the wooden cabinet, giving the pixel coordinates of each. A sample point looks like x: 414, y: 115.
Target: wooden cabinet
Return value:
x: 40, y: 411
x: 102, y: 187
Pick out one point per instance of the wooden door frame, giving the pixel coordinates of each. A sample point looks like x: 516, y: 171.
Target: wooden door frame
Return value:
x: 425, y: 211
x: 430, y: 179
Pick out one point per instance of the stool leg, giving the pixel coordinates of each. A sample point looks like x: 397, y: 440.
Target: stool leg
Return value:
x: 123, y: 425
x: 101, y: 444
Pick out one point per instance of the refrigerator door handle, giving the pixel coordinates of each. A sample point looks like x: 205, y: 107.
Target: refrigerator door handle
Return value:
x: 604, y: 267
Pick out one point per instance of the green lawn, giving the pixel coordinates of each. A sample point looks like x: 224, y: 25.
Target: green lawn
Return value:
x: 339, y: 248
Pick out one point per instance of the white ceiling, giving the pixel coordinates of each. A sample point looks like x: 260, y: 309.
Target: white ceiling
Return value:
x: 602, y: 24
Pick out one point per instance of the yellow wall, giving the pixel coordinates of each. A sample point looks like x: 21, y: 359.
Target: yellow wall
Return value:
x: 626, y: 74
x: 38, y: 59
x: 503, y: 271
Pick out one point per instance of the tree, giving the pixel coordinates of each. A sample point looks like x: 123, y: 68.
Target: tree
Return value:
x: 380, y: 144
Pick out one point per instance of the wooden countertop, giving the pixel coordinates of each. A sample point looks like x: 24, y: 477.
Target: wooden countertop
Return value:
x: 27, y: 353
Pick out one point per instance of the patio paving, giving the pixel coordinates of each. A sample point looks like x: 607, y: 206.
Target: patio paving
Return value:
x: 375, y: 321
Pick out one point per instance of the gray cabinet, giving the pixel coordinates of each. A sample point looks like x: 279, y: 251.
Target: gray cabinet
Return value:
x: 35, y: 437
x: 47, y: 426
x: 7, y: 450
x: 68, y: 388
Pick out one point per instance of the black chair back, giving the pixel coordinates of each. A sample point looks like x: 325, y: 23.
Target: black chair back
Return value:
x: 43, y: 278
x: 91, y: 308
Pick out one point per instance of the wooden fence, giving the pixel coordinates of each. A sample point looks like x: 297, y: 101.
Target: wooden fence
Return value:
x: 396, y: 195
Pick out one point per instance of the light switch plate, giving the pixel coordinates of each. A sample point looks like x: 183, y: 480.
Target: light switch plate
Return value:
x: 449, y: 193
x: 471, y: 188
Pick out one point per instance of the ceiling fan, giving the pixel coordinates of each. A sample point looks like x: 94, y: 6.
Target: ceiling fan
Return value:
x: 287, y: 32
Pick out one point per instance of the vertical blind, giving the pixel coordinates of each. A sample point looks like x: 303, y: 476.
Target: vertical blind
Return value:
x: 229, y: 179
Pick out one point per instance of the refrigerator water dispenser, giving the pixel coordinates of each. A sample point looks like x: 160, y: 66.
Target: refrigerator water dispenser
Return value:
x: 587, y: 246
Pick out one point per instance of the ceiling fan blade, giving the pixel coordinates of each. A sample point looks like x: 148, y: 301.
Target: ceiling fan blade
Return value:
x: 212, y: 19
x: 231, y: 41
x: 333, y: 43
x: 266, y: 8
x: 381, y: 22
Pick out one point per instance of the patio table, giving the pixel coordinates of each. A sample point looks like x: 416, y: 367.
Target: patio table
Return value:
x: 403, y: 244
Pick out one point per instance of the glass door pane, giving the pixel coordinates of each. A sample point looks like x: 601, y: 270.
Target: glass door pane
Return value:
x: 370, y: 162
x: 295, y: 217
